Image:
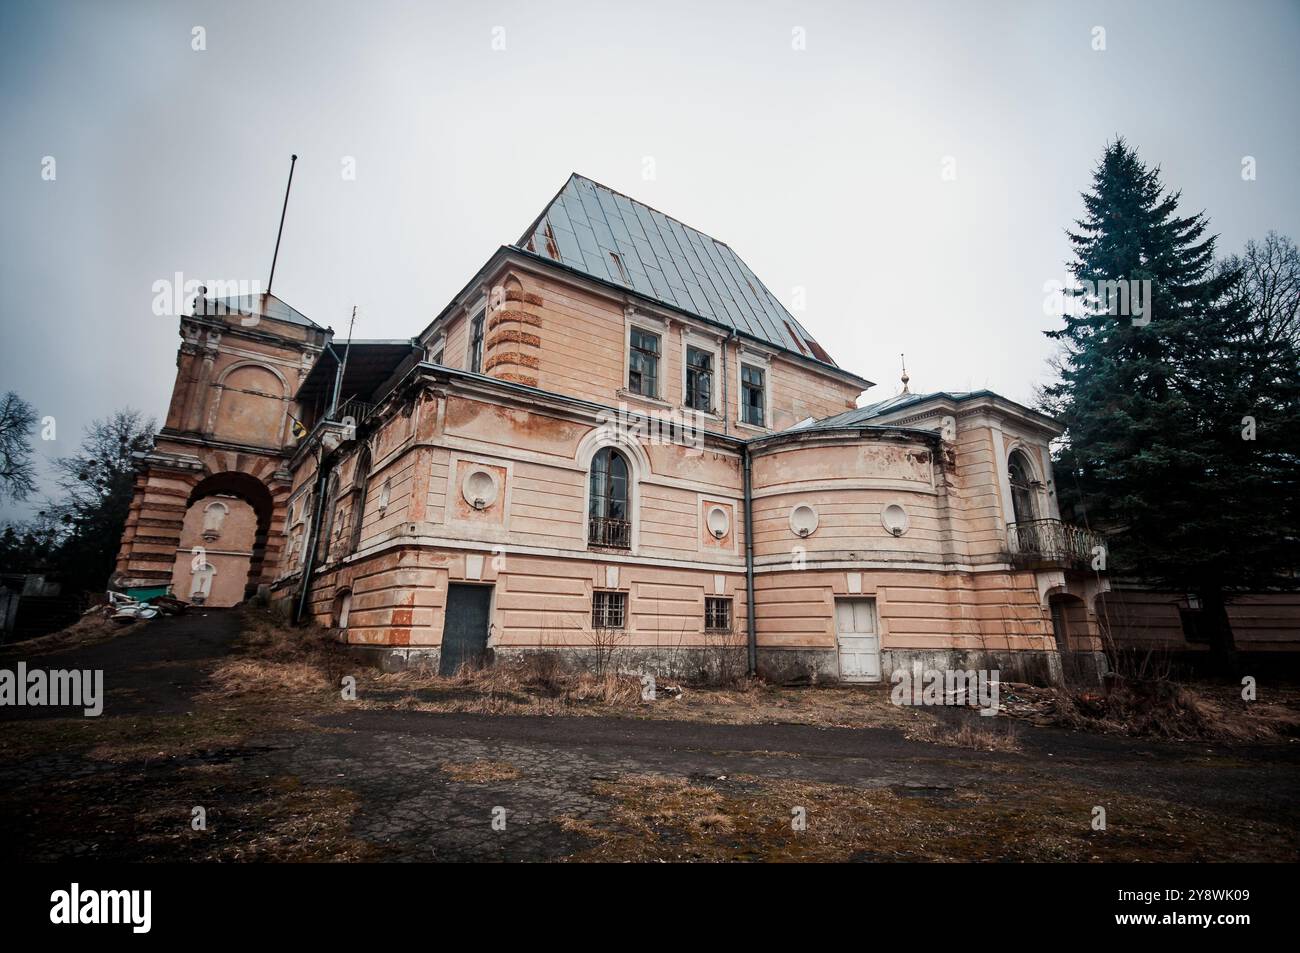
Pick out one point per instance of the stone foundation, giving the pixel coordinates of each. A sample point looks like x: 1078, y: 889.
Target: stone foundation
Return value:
x: 395, y: 658
x: 1034, y: 668
x: 778, y: 666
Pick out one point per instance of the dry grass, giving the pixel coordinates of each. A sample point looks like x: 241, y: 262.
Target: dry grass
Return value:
x: 1164, y: 709
x: 655, y: 818
x: 306, y: 664
x: 91, y: 629
x: 254, y: 676
x: 979, y: 733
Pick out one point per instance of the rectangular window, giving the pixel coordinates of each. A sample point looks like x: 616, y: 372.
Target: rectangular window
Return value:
x: 699, y: 379
x: 608, y: 609
x: 643, y: 364
x: 717, y: 614
x: 752, y: 397
x: 476, y: 344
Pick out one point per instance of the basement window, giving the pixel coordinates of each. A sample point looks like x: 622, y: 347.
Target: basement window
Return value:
x: 608, y: 609
x: 717, y: 614
x: 643, y: 363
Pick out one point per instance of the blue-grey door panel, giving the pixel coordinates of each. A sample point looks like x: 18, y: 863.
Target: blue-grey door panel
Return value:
x: 465, y: 630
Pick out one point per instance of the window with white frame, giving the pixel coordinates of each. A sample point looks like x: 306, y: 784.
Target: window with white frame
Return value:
x: 643, y: 363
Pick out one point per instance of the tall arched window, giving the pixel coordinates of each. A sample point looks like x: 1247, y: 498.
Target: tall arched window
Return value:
x: 359, y: 483
x: 609, y: 521
x: 325, y: 532
x: 1022, y: 488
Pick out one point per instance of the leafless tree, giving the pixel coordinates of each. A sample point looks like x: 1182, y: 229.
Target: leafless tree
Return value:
x: 17, y: 424
x: 1270, y: 287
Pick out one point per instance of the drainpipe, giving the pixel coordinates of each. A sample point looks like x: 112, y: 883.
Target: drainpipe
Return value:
x: 749, y: 563
x: 309, y: 562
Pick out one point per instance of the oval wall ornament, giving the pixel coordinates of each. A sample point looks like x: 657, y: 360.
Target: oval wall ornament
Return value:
x: 479, y: 489
x: 803, y: 520
x: 895, y: 519
x: 719, y: 522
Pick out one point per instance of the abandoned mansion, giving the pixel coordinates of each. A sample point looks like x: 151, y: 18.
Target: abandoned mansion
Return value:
x: 614, y: 437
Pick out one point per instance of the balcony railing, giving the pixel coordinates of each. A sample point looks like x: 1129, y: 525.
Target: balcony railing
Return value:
x: 1052, y: 542
x: 354, y: 410
x: 610, y: 533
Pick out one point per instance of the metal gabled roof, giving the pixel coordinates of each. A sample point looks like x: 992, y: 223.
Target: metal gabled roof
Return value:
x: 870, y: 414
x: 264, y: 305
x: 613, y: 238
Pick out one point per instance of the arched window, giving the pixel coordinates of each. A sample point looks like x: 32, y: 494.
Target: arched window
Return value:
x: 609, y: 513
x: 1022, y: 488
x: 360, y: 479
x: 325, y: 532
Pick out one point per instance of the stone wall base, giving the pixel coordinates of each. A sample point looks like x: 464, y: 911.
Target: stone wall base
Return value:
x: 395, y: 658
x: 690, y: 664
x: 779, y: 666
x: 1033, y: 667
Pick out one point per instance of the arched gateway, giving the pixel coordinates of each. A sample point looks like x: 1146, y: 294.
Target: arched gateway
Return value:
x: 207, y: 520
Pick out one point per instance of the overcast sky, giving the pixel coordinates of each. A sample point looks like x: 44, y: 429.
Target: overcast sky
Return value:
x: 811, y: 137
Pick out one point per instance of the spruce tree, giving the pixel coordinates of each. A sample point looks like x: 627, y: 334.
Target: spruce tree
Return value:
x: 1160, y: 451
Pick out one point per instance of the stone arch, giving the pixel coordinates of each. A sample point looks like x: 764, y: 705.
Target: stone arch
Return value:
x: 1022, y: 476
x: 234, y: 485
x: 611, y: 437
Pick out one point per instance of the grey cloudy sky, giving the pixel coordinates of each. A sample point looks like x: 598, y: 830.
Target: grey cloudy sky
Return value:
x: 820, y: 166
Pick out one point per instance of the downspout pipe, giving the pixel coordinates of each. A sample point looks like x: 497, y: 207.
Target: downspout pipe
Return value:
x: 338, y: 380
x: 309, y: 561
x: 751, y: 623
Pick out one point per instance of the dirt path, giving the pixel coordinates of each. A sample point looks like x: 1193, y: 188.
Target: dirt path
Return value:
x: 279, y: 780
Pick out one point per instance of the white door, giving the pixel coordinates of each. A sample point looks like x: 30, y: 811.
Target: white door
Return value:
x: 859, y: 638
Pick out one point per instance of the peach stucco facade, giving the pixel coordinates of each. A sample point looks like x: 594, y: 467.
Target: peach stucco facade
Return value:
x: 558, y: 463
x: 529, y: 426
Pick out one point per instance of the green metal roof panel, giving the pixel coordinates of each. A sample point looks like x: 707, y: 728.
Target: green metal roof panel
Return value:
x: 616, y: 239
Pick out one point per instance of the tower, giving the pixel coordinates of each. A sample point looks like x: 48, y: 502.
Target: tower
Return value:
x: 207, y: 518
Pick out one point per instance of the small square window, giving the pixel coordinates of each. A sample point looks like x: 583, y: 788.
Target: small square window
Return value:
x: 717, y: 614
x: 752, y: 395
x: 643, y: 363
x: 608, y: 609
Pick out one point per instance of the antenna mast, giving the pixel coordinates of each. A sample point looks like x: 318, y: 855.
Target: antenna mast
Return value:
x: 293, y: 160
